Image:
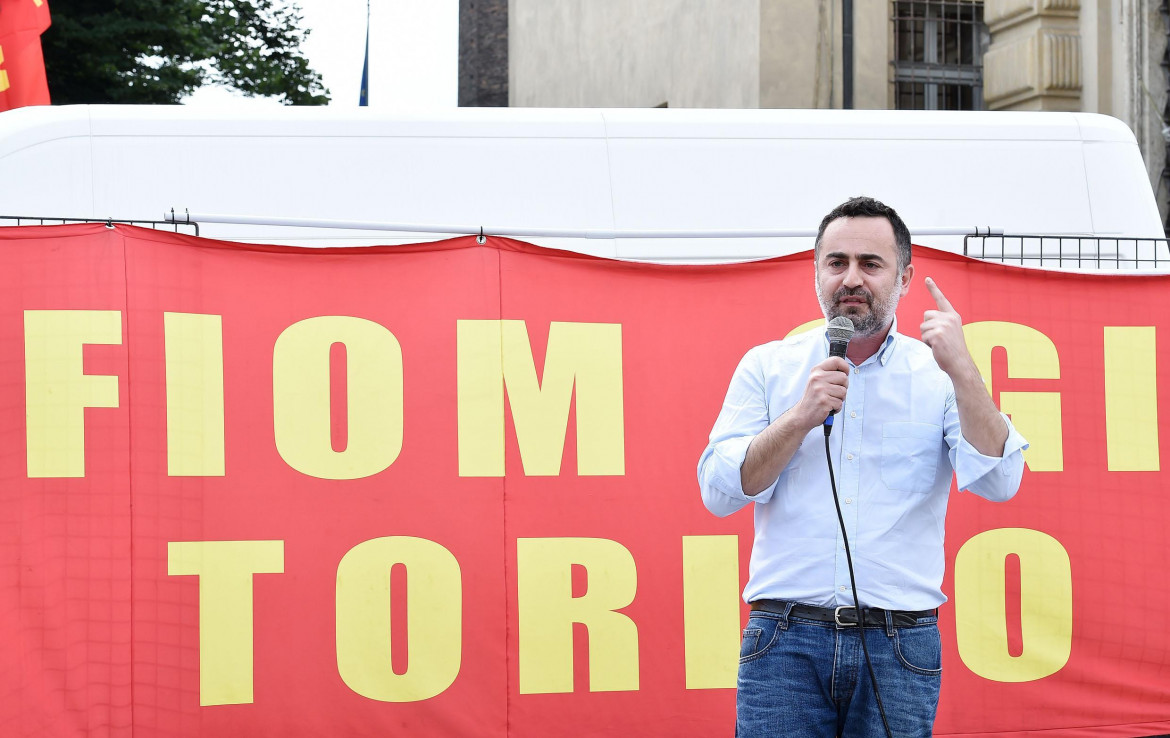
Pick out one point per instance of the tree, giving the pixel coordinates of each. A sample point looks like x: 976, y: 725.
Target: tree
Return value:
x: 158, y: 51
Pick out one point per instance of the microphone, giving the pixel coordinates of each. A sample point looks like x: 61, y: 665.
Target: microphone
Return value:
x: 840, y: 331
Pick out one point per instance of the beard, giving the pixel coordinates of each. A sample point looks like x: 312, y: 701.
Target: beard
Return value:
x: 869, y: 319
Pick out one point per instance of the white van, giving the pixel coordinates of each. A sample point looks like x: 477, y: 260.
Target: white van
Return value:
x: 606, y: 182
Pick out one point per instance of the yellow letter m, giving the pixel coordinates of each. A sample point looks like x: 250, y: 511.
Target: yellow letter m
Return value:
x: 495, y: 355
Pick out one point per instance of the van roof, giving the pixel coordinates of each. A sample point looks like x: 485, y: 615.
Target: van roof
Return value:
x: 625, y: 169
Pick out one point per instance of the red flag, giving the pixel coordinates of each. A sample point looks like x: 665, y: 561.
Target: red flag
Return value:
x: 22, y: 65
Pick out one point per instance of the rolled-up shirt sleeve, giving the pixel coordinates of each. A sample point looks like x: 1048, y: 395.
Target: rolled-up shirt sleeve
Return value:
x: 743, y: 416
x: 995, y: 478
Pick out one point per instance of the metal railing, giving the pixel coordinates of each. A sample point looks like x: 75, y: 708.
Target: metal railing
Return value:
x: 1071, y: 251
x: 25, y: 220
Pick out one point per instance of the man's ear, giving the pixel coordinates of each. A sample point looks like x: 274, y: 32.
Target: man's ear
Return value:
x: 907, y: 275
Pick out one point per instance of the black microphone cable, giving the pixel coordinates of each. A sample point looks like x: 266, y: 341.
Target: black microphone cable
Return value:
x: 853, y: 581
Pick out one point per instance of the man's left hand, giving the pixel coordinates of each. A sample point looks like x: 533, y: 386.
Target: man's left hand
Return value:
x: 942, y: 330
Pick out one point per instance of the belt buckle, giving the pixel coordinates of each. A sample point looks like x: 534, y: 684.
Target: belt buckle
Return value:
x: 837, y: 616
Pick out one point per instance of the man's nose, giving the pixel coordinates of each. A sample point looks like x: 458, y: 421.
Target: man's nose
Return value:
x: 852, y: 276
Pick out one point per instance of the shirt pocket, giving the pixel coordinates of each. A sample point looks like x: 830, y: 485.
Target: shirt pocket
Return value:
x: 910, y: 454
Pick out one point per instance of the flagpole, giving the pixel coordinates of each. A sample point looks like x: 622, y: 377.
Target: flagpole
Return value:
x: 364, y: 98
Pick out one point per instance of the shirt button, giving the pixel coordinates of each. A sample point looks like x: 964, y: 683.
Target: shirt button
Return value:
x: 848, y: 500
x: 849, y: 456
x: 853, y: 415
x: 842, y: 589
x: 857, y: 370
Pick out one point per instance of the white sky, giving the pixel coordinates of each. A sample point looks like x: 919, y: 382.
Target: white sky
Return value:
x: 414, y: 54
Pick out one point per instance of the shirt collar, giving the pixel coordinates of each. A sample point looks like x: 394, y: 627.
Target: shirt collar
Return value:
x: 886, y: 351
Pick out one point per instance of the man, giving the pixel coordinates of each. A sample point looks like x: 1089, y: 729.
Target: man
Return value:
x: 908, y: 412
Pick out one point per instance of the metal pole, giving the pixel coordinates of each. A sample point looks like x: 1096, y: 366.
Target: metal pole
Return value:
x: 364, y: 96
x: 174, y: 216
x: 847, y: 54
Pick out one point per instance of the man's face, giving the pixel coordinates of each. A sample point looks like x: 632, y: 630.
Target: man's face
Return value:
x: 857, y: 273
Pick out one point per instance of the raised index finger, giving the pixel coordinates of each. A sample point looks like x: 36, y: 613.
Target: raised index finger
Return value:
x: 939, y: 298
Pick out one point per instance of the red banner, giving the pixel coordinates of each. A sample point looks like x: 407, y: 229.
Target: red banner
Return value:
x: 449, y: 490
x: 22, y: 64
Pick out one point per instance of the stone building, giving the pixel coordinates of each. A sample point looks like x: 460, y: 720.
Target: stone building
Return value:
x: 1100, y: 56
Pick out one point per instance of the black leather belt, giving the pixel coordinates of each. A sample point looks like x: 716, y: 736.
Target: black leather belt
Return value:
x: 844, y: 616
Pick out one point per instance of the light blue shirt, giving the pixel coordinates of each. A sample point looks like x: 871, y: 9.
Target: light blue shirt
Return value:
x: 894, y: 445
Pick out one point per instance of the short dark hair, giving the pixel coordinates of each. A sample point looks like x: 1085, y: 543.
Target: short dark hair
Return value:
x: 867, y: 207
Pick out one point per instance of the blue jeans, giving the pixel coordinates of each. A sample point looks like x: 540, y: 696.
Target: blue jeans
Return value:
x: 802, y: 677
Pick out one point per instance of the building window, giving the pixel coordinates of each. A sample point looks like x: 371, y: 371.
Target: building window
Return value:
x: 938, y: 54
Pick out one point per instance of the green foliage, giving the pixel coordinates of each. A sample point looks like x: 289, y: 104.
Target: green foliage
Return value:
x: 157, y: 51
